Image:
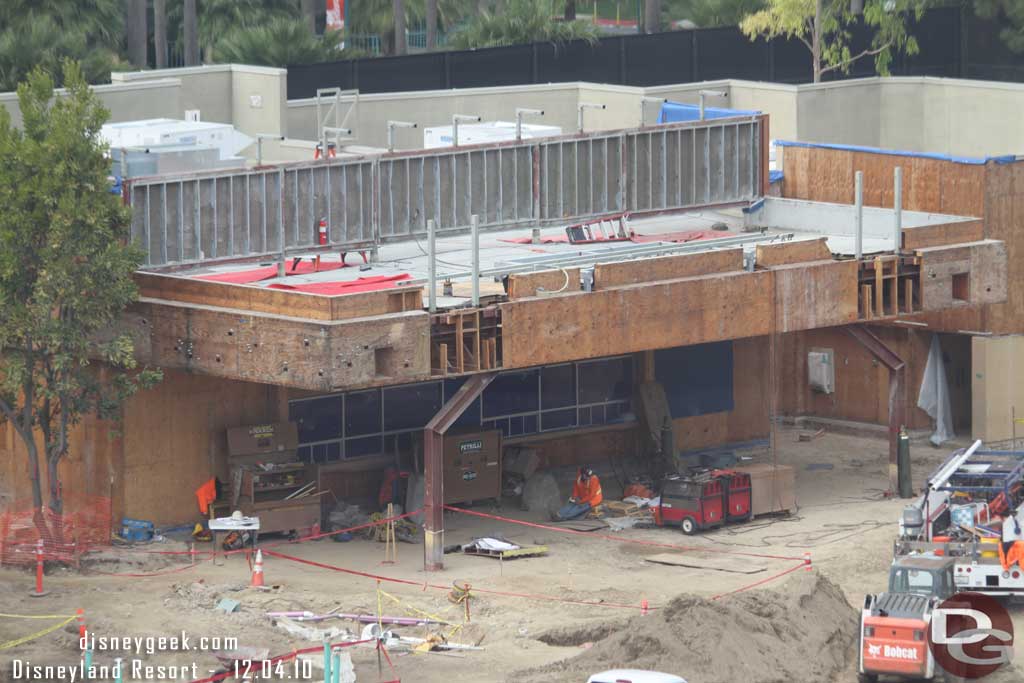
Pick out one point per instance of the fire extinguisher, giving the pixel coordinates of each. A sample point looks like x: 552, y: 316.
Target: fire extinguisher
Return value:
x: 322, y: 232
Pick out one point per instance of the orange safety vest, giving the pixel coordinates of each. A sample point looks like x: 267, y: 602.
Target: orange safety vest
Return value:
x: 1015, y: 556
x: 588, y: 492
x: 206, y: 494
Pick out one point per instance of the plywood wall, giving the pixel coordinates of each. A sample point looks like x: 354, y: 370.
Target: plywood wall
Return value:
x: 861, y: 383
x: 749, y: 417
x: 1004, y: 220
x: 827, y: 175
x: 175, y: 439
x: 91, y: 468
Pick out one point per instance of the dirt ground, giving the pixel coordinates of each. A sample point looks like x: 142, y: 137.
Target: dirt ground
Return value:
x: 843, y: 520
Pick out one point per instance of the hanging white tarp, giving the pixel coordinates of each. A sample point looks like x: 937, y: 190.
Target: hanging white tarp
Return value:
x: 934, y: 396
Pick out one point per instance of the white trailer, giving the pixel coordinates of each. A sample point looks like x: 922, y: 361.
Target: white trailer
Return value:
x: 488, y: 131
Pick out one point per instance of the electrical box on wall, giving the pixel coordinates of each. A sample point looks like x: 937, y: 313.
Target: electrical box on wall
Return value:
x: 472, y: 466
x: 821, y: 370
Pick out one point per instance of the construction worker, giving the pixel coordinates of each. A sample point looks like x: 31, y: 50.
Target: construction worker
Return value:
x: 586, y: 495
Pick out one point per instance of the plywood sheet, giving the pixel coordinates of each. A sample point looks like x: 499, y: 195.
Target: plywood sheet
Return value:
x: 286, y: 351
x: 276, y: 301
x: 707, y: 561
x: 523, y: 285
x: 798, y: 251
x: 933, y: 185
x: 984, y: 264
x: 943, y: 234
x: 819, y: 294
x: 667, y: 268
x: 636, y: 318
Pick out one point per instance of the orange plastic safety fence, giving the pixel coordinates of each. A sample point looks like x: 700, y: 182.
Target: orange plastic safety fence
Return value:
x: 86, y: 525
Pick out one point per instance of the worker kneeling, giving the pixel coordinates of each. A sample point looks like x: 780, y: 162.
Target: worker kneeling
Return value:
x: 586, y: 495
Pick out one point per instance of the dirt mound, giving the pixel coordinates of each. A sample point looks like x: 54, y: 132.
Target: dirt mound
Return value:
x: 802, y: 630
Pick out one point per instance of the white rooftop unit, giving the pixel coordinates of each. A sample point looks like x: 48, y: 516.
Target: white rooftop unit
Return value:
x: 488, y: 131
x: 162, y: 132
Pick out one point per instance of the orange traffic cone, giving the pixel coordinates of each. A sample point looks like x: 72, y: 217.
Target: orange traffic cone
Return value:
x: 257, y: 571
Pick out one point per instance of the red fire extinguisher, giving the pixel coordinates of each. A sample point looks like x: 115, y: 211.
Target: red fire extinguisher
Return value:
x: 322, y: 232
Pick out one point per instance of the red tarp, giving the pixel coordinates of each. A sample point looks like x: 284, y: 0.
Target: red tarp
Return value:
x: 245, y: 277
x: 363, y: 284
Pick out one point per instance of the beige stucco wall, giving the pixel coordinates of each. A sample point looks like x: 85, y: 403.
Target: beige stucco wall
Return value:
x: 949, y: 116
x: 145, y: 100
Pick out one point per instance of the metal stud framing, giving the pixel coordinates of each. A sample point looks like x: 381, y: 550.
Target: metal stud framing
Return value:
x: 221, y: 215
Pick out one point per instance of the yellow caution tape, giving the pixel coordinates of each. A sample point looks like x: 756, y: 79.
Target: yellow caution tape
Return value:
x: 39, y: 634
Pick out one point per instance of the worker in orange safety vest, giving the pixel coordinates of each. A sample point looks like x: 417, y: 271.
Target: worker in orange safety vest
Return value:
x: 586, y: 495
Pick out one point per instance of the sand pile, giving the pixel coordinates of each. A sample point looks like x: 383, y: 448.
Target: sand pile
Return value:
x: 802, y: 630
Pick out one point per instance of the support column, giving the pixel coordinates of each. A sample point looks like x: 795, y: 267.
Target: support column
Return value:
x: 433, y: 467
x: 897, y: 401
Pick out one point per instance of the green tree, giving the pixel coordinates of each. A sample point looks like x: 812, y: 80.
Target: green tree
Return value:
x: 44, y: 32
x: 522, y: 21
x: 1008, y: 12
x: 217, y: 19
x: 823, y: 26
x: 707, y: 13
x: 279, y: 43
x: 65, y: 274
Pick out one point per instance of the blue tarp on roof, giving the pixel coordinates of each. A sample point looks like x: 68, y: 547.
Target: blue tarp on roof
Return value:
x: 672, y: 112
x: 1004, y: 159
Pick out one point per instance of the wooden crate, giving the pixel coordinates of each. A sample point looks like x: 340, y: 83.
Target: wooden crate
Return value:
x: 773, y: 487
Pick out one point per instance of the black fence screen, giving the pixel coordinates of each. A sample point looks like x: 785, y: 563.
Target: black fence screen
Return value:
x: 953, y: 43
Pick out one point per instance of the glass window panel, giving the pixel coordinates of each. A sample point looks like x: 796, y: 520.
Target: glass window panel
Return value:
x: 362, y: 412
x: 470, y: 418
x: 411, y: 406
x: 558, y: 419
x: 515, y: 426
x: 584, y: 417
x: 530, y: 424
x: 511, y: 393
x: 317, y: 419
x: 369, y: 445
x: 334, y: 451
x: 320, y: 453
x: 558, y: 386
x: 305, y: 454
x: 606, y: 380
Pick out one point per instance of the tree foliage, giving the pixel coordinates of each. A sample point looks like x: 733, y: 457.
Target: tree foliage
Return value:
x: 522, y: 21
x: 1011, y: 14
x: 824, y: 27
x: 44, y: 32
x: 708, y: 13
x: 280, y: 42
x: 65, y: 273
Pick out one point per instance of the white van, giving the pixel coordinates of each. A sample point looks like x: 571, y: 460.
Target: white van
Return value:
x: 634, y: 676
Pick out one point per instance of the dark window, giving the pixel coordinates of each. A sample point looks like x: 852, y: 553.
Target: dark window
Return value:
x: 470, y: 418
x: 558, y: 386
x: 369, y: 445
x: 411, y: 407
x: 511, y: 393
x: 606, y: 380
x: 317, y: 419
x: 362, y: 413
x: 558, y: 419
x: 697, y: 379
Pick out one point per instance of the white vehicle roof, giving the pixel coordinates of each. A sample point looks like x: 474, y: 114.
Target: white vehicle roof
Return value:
x: 634, y: 676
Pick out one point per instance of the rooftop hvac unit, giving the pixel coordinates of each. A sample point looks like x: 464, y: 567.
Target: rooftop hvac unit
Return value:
x: 479, y: 133
x: 821, y: 371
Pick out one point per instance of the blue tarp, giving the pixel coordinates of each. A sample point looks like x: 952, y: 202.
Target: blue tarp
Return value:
x: 1004, y: 159
x: 672, y: 112
x: 774, y: 176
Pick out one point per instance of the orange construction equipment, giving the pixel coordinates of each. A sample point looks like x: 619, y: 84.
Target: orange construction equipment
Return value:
x: 257, y: 571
